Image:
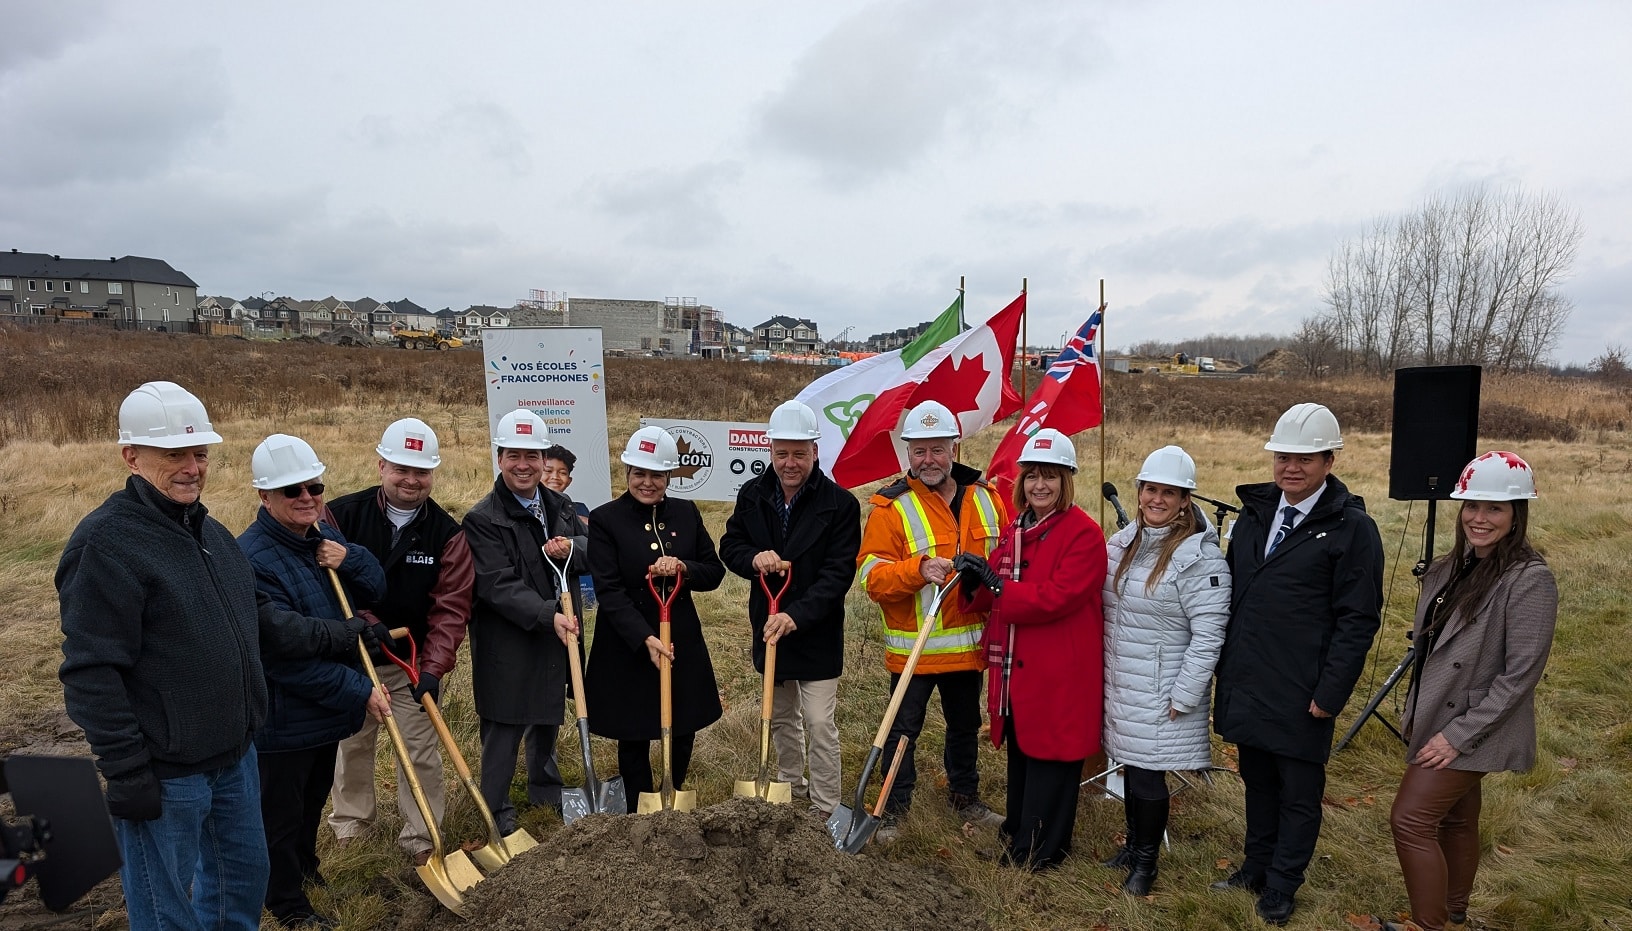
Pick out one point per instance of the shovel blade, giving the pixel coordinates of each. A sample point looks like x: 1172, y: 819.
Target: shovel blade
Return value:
x: 851, y: 831
x: 778, y: 793
x: 653, y: 801
x: 489, y: 857
x: 449, y: 877
x: 612, y: 799
x: 575, y: 804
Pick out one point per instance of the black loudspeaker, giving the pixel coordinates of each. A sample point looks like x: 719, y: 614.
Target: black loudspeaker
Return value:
x: 1436, y: 427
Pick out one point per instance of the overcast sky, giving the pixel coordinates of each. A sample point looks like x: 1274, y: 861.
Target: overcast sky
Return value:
x: 844, y: 161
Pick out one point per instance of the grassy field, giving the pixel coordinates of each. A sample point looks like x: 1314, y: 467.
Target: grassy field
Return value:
x: 1558, y: 839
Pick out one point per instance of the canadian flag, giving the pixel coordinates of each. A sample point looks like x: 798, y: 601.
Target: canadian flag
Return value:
x: 969, y: 373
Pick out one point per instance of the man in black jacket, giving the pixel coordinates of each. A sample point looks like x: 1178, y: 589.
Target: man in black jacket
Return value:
x: 1306, y: 565
x: 429, y: 577
x: 163, y: 636
x: 794, y: 512
x: 518, y: 658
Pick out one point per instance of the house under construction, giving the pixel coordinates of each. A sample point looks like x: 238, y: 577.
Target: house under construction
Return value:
x: 677, y: 326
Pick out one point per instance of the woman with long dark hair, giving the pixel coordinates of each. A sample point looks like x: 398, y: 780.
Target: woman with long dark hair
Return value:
x: 1484, y: 627
x: 1167, y: 602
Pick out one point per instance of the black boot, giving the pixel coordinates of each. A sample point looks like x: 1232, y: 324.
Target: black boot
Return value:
x: 1149, y: 825
x: 1123, y: 858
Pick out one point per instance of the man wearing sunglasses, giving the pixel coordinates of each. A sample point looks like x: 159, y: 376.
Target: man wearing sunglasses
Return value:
x: 315, y: 703
x: 428, y: 574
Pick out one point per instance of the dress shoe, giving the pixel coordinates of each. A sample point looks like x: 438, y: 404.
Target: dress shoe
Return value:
x: 1275, y: 907
x: 1239, y: 880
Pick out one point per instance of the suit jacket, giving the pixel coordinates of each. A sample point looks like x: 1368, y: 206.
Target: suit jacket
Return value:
x: 823, y: 538
x: 1478, y: 686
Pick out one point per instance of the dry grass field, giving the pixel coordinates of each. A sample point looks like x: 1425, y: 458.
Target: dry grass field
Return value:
x: 1558, y: 840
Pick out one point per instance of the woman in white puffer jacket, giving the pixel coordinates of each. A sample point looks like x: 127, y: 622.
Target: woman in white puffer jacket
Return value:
x: 1167, y: 601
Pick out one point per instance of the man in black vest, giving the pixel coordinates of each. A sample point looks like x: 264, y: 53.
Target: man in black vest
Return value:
x: 429, y: 578
x: 794, y: 512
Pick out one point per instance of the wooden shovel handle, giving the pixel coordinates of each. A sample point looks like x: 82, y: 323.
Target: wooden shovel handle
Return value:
x: 769, y: 695
x: 930, y: 623
x: 889, y: 777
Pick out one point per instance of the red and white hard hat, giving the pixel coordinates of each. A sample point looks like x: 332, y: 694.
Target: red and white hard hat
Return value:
x: 522, y: 429
x: 1050, y: 447
x: 165, y: 415
x: 410, y: 442
x: 1496, y: 476
x: 652, y: 448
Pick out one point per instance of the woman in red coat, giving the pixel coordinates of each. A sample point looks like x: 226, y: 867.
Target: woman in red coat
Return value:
x: 1044, y: 644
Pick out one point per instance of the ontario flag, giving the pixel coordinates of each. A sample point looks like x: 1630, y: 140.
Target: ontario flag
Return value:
x: 970, y: 374
x: 1067, y: 399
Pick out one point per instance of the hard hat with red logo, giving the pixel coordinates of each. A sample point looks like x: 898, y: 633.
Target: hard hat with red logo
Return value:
x: 165, y: 415
x: 522, y: 429
x: 1496, y: 476
x: 652, y: 448
x: 410, y: 442
x: 1050, y: 447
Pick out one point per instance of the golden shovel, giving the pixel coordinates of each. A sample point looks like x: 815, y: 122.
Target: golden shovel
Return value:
x: 449, y: 875
x: 667, y: 798
x: 762, y: 786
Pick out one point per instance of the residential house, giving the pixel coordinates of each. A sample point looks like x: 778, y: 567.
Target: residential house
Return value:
x: 473, y: 318
x: 787, y: 334
x: 219, y: 309
x: 133, y: 290
x: 410, y: 316
x: 278, y: 317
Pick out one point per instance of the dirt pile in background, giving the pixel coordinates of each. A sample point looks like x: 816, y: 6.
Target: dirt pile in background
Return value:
x: 743, y: 864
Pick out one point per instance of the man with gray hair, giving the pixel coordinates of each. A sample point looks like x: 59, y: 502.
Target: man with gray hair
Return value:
x: 163, y: 636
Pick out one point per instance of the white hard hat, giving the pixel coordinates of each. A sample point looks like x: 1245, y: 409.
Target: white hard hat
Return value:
x: 522, y: 429
x: 282, y: 460
x: 651, y: 448
x: 412, y: 443
x: 793, y: 421
x: 1305, y: 428
x: 1496, y: 476
x: 1050, y: 447
x: 166, y: 415
x: 930, y: 420
x: 1169, y: 465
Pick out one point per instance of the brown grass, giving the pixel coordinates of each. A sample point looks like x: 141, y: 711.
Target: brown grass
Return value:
x: 1557, y: 839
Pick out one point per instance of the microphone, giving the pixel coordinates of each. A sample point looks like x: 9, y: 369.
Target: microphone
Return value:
x: 1221, y: 506
x: 1109, y: 491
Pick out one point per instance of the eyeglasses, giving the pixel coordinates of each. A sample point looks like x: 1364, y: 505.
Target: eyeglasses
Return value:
x: 294, y: 491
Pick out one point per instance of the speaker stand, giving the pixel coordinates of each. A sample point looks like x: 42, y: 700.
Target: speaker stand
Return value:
x: 1377, y: 699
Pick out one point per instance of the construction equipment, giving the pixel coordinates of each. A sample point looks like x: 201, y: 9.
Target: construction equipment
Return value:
x: 852, y: 826
x: 667, y: 798
x: 449, y: 875
x: 595, y: 798
x: 761, y: 786
x: 499, y: 849
x: 426, y: 339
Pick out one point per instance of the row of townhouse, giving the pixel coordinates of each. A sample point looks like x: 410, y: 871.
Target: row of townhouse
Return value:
x: 132, y: 291
x: 366, y: 317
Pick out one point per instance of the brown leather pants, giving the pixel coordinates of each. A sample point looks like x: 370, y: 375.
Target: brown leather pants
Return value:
x: 1436, y: 836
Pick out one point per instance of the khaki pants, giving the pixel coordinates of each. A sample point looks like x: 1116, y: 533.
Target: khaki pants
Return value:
x: 800, y: 709
x: 353, y: 797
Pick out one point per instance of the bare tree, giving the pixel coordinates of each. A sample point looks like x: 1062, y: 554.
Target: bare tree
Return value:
x: 1472, y: 278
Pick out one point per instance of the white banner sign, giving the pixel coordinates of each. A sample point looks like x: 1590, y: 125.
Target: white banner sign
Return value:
x: 716, y: 456
x: 558, y: 374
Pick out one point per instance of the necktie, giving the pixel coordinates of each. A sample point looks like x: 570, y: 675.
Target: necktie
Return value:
x: 1288, y: 515
x: 538, y: 510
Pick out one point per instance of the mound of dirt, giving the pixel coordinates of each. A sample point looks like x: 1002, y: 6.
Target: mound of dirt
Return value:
x: 742, y: 864
x: 1279, y: 362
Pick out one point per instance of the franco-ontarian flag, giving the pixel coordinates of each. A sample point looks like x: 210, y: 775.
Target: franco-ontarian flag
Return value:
x: 841, y: 396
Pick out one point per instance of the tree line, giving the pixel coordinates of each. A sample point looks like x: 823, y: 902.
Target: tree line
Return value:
x: 1467, y: 279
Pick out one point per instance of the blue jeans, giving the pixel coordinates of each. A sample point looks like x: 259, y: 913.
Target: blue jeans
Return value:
x: 209, y: 841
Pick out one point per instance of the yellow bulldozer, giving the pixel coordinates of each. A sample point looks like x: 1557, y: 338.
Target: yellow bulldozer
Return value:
x: 425, y: 339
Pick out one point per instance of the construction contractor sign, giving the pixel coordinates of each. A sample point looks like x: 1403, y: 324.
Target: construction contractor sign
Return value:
x: 716, y: 456
x: 558, y: 374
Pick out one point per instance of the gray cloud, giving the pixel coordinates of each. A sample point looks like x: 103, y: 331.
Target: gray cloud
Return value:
x: 893, y: 82
x: 474, y: 129
x: 1225, y: 250
x: 38, y: 32
x: 91, y: 122
x: 1033, y: 214
x: 672, y: 209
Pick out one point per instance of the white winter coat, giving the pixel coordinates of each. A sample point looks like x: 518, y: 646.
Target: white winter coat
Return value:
x: 1161, y: 647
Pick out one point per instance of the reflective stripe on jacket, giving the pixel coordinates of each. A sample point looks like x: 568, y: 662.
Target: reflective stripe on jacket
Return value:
x: 906, y: 526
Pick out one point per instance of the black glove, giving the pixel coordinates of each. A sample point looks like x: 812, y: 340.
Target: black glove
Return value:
x: 975, y: 570
x: 375, y: 637
x: 135, y: 796
x: 429, y: 684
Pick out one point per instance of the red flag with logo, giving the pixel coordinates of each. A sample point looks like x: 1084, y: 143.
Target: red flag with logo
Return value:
x: 1067, y: 399
x: 969, y: 374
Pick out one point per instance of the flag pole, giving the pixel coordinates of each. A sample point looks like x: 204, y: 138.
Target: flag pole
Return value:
x: 1104, y: 382
x: 961, y: 324
x: 1025, y: 359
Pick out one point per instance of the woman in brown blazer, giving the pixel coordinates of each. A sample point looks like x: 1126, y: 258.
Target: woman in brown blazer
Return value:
x: 1484, y: 627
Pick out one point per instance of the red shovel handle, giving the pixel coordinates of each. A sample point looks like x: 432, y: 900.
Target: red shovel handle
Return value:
x: 411, y: 668
x: 662, y: 601
x: 786, y: 571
